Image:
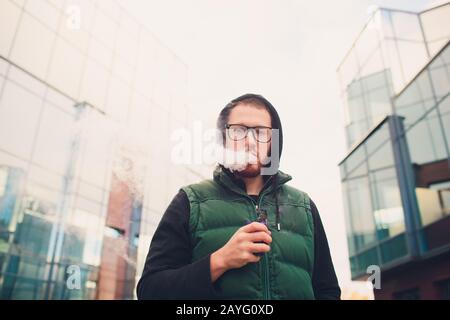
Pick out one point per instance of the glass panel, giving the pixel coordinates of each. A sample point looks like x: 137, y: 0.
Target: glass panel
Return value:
x: 413, y: 57
x: 19, y: 111
x: 44, y: 12
x: 436, y: 26
x: 355, y: 131
x: 348, y: 221
x: 378, y: 138
x: 389, y: 217
x: 52, y: 150
x: 360, y: 209
x: 118, y: 100
x: 444, y: 109
x: 406, y: 26
x: 104, y: 29
x: 434, y: 201
x: 368, y: 41
x: 342, y: 170
x: 11, y: 186
x: 9, y: 19
x: 354, y: 266
x: 94, y: 84
x: 440, y: 74
x: 386, y: 23
x: 348, y: 71
x: 393, y: 60
x: 382, y: 158
x: 32, y: 46
x: 368, y: 258
x: 64, y: 75
x: 83, y: 237
x: 394, y: 248
x: 379, y: 104
x: 425, y: 140
x: 372, y: 71
x: 356, y: 164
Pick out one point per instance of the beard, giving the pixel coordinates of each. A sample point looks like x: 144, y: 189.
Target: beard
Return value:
x: 251, y: 170
x: 243, y: 163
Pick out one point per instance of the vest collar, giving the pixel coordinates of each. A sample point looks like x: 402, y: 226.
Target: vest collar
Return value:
x: 224, y: 177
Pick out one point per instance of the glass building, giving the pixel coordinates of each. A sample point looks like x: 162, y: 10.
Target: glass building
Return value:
x: 88, y: 99
x: 395, y: 85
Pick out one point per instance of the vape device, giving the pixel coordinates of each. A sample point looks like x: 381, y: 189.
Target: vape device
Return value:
x: 262, y: 218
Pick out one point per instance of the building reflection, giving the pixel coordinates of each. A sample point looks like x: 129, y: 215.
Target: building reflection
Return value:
x: 396, y: 176
x: 86, y: 115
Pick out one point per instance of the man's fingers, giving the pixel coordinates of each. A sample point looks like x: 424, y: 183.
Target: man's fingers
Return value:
x: 259, y: 236
x: 255, y: 226
x: 258, y: 247
x: 253, y: 258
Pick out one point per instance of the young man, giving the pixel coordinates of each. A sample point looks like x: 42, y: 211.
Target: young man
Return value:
x: 206, y: 245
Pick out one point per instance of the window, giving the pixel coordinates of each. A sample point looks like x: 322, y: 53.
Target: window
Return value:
x: 94, y: 84
x: 66, y: 68
x: 44, y: 12
x: 118, y: 99
x: 436, y: 27
x: 361, y: 212
x: 53, y: 144
x: 439, y: 70
x: 19, y: 112
x: 104, y: 29
x: 32, y: 46
x: 9, y: 18
x: 444, y: 109
x: 434, y: 202
x: 426, y: 141
x: 388, y: 210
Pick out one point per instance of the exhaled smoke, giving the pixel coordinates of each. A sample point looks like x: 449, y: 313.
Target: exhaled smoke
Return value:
x: 235, y: 160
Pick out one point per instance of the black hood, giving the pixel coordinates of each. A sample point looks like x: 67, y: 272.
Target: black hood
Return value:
x: 276, y: 122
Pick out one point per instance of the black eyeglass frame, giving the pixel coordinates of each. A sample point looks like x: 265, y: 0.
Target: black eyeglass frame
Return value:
x: 253, y: 129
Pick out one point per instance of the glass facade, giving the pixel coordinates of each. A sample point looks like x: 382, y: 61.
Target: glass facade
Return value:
x: 425, y: 105
x: 386, y: 56
x: 396, y: 177
x: 88, y: 100
x: 373, y: 205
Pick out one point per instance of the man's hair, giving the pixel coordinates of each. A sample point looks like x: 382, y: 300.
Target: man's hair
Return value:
x: 225, y: 113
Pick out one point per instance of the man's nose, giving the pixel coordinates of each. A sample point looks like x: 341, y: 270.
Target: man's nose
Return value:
x: 250, y: 141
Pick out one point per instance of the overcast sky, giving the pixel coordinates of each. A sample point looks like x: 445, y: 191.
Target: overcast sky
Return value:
x: 287, y: 51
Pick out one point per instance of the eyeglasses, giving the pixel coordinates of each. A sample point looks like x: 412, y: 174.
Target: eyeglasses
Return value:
x: 238, y: 132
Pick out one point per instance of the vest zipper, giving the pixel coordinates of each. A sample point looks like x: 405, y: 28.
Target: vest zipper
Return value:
x: 264, y: 259
x: 264, y: 265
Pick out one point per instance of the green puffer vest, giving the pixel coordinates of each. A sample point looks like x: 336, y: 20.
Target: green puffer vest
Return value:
x: 220, y: 207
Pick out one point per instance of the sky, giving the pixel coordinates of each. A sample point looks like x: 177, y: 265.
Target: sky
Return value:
x: 289, y: 52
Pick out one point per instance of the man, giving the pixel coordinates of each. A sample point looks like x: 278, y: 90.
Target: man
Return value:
x: 206, y: 246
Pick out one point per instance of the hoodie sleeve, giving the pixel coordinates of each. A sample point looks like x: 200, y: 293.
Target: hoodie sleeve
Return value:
x: 324, y: 280
x: 168, y: 271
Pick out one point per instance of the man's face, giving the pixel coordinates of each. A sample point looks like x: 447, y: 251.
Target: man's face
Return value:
x: 250, y: 116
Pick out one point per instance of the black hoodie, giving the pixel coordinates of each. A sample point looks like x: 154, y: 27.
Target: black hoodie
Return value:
x: 276, y: 124
x: 168, y: 271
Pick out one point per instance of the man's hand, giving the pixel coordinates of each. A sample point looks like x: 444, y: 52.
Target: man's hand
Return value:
x: 238, y: 251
